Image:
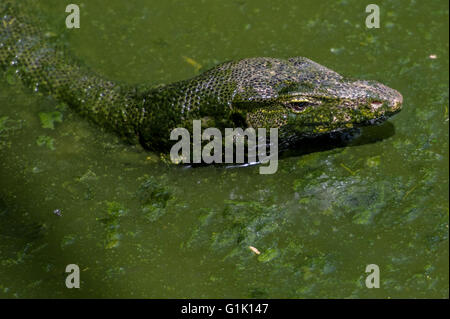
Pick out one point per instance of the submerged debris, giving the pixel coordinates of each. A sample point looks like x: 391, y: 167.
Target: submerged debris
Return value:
x: 48, y: 119
x: 255, y: 250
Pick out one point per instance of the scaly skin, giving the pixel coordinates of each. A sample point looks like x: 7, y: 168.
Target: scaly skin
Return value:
x: 300, y: 97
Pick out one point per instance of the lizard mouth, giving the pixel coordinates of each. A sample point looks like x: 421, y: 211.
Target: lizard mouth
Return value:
x: 376, y: 121
x: 381, y: 119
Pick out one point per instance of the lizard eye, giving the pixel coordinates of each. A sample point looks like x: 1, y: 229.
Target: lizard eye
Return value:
x: 300, y: 105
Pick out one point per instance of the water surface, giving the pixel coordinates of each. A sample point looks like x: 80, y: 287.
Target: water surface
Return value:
x: 140, y: 227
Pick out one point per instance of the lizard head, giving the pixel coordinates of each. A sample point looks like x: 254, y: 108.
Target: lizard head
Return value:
x: 305, y: 99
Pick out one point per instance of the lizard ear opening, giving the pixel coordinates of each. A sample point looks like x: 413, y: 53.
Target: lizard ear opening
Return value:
x: 239, y: 120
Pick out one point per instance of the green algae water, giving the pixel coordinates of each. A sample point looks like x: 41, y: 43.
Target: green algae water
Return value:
x: 140, y: 227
